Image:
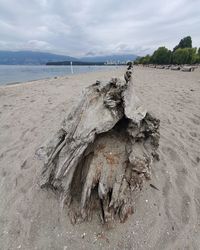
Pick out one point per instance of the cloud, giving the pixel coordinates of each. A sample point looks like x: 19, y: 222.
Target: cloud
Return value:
x: 37, y: 45
x: 97, y: 27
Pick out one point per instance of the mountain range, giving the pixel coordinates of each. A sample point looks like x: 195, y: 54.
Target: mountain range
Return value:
x: 41, y: 58
x: 30, y: 57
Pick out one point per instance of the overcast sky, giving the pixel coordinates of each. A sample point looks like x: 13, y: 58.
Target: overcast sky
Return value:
x: 76, y: 27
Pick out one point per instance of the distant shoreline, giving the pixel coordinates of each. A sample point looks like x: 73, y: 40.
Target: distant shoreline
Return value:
x: 75, y: 63
x: 79, y: 63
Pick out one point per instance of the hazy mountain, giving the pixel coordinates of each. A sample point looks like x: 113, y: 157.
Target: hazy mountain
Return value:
x: 37, y: 58
x: 121, y: 58
x: 30, y: 57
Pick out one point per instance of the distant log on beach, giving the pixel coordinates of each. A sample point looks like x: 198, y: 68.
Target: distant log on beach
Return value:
x: 151, y: 66
x: 187, y: 68
x: 103, y: 152
x: 175, y: 67
x: 160, y: 67
x: 184, y: 68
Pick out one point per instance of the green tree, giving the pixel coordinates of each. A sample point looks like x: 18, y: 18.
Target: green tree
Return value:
x: 198, y: 57
x: 180, y: 56
x: 186, y: 42
x: 145, y: 60
x: 192, y: 55
x: 183, y: 53
x: 195, y: 59
x: 161, y: 56
x: 137, y: 61
x: 185, y: 56
x: 195, y: 56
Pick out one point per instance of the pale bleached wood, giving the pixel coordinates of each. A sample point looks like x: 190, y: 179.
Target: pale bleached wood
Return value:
x: 103, y: 152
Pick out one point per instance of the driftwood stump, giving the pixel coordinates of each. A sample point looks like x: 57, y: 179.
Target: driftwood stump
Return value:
x: 103, y: 152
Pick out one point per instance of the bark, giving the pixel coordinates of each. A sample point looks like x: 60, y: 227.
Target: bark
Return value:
x: 103, y: 153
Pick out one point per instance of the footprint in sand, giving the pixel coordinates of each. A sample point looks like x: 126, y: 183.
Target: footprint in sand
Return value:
x: 193, y: 134
x: 185, y: 209
x: 6, y: 126
x: 171, y: 152
x: 195, y: 121
x: 179, y: 185
x: 197, y: 203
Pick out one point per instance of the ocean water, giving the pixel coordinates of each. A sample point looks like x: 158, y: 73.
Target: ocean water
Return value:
x: 22, y: 73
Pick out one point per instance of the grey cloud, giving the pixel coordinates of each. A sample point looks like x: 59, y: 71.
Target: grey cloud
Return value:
x: 97, y: 27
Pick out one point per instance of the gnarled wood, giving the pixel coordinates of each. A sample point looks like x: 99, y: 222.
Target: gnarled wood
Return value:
x: 103, y: 152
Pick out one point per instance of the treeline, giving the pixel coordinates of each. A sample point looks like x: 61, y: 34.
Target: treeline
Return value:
x: 183, y: 53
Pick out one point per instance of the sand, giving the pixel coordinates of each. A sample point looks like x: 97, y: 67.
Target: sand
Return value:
x: 168, y: 218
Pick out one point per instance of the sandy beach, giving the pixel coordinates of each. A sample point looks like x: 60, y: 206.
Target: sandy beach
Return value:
x: 167, y: 218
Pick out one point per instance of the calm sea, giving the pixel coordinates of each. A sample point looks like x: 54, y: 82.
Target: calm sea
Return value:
x: 20, y: 73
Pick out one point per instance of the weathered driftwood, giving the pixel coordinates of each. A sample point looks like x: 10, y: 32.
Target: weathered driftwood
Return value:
x: 152, y: 66
x: 103, y: 152
x: 175, y: 67
x: 160, y: 67
x: 187, y: 69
